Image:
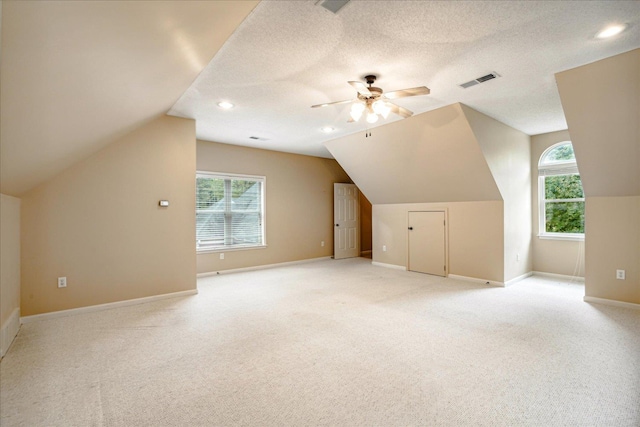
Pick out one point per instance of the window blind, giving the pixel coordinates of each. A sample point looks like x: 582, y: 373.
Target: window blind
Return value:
x: 229, y: 211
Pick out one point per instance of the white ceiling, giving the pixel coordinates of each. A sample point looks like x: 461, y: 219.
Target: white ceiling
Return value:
x: 289, y: 55
x: 77, y: 75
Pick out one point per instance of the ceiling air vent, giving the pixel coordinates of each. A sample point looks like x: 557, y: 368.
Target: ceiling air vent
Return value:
x: 332, y: 5
x: 258, y: 138
x: 479, y: 80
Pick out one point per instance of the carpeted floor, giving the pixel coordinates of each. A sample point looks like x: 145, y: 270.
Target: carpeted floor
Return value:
x: 337, y: 343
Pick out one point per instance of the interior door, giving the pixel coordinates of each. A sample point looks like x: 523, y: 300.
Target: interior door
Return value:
x: 427, y: 244
x: 346, y: 221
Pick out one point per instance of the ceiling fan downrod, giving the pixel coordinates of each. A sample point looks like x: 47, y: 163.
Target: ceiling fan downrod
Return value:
x: 370, y: 79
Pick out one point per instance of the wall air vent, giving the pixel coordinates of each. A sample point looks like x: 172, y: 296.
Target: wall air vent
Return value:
x: 332, y: 5
x: 479, y: 80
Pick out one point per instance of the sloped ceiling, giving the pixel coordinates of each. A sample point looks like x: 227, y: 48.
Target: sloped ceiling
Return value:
x: 289, y: 55
x: 602, y: 105
x: 76, y: 75
x: 505, y: 150
x: 431, y: 157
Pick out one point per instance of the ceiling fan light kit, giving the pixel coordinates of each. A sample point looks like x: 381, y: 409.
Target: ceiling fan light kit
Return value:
x: 374, y: 102
x: 357, y: 108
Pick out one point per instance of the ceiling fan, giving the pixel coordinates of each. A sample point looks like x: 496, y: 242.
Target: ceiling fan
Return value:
x: 376, y: 103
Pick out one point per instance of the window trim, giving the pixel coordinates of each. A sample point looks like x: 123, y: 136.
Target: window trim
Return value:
x: 562, y: 167
x: 225, y: 175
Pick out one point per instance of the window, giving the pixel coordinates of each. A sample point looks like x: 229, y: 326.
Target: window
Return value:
x: 560, y: 194
x: 229, y: 211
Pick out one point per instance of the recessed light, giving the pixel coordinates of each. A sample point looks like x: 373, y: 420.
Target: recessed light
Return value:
x: 225, y: 105
x: 327, y: 129
x: 611, y: 31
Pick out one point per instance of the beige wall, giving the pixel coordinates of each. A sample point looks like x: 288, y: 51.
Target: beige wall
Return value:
x: 508, y: 154
x: 614, y: 244
x: 78, y: 75
x: 449, y: 157
x: 365, y: 223
x: 475, y: 233
x: 9, y: 256
x: 551, y: 256
x: 601, y: 102
x: 430, y: 157
x: 98, y: 223
x: 299, y: 203
x: 9, y: 269
x: 602, y: 105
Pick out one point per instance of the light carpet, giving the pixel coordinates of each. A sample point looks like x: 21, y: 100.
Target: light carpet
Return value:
x: 335, y: 343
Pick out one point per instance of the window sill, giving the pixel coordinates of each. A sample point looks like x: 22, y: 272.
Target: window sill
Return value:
x: 230, y: 249
x: 559, y: 236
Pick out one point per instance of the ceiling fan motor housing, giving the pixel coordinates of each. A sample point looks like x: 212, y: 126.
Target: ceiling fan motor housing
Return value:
x: 376, y: 93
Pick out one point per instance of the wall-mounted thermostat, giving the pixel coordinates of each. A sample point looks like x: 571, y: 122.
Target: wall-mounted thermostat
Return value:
x: 163, y: 203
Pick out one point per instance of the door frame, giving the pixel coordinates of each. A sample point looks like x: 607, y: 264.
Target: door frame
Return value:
x: 446, y: 237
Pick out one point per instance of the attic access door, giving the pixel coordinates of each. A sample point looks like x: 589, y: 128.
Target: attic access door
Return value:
x: 427, y: 242
x: 346, y: 221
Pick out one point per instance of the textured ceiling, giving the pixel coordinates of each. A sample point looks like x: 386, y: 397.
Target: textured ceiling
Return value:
x: 76, y: 75
x: 289, y: 55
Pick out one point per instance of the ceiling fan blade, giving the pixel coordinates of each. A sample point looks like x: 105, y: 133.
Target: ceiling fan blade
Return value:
x: 332, y: 103
x: 361, y: 88
x: 401, y: 111
x: 414, y: 91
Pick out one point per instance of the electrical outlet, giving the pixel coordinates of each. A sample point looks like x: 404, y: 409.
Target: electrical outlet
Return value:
x: 620, y: 274
x: 322, y: 243
x: 62, y: 282
x: 221, y: 256
x: 517, y: 257
x: 384, y: 248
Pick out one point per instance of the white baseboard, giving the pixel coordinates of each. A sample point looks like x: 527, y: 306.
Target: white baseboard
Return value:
x: 261, y: 267
x: 476, y: 280
x: 612, y: 302
x: 9, y: 331
x: 107, y: 306
x: 393, y: 266
x: 517, y: 279
x: 559, y: 276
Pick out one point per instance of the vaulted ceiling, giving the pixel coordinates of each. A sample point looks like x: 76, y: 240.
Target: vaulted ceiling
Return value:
x: 77, y: 75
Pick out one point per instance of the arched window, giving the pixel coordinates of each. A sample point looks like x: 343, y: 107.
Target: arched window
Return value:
x: 561, y: 198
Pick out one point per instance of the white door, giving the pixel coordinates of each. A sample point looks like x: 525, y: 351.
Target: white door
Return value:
x: 427, y: 244
x: 346, y: 221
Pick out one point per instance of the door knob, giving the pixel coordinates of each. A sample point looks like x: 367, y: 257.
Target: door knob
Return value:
x: 337, y: 225
x: 410, y: 228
